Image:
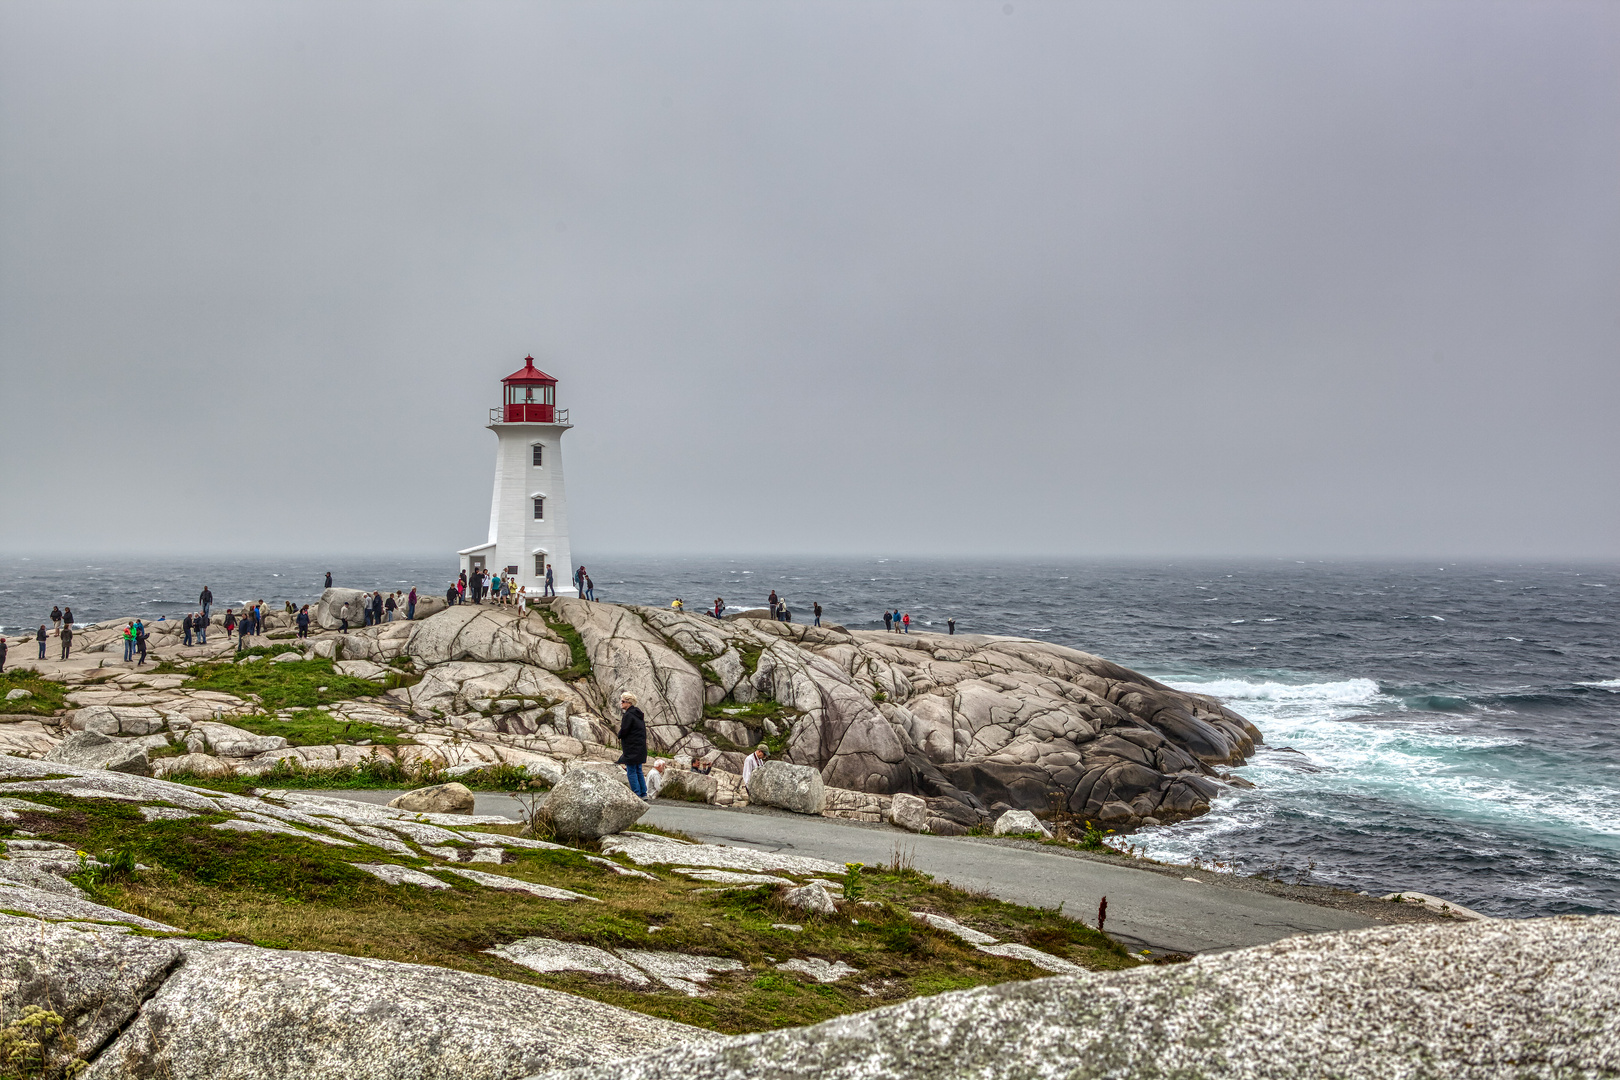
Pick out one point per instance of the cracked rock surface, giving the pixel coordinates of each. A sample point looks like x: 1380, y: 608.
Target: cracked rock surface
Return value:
x: 1498, y: 1000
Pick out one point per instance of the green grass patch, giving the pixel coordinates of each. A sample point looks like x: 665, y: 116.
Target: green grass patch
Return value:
x: 313, y: 727
x: 49, y: 697
x: 749, y: 655
x: 287, y: 892
x: 294, y: 684
x: 579, y: 660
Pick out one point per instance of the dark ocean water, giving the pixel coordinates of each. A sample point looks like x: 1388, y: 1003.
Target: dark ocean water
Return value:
x: 1451, y: 730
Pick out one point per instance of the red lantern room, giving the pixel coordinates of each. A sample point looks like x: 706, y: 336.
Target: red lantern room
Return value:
x: 530, y: 396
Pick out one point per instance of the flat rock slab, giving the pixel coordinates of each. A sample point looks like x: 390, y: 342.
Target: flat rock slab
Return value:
x: 262, y: 1014
x: 820, y: 970
x: 511, y: 884
x: 395, y: 874
x: 547, y: 955
x: 1043, y: 960
x: 732, y: 877
x: 650, y: 849
x: 951, y: 926
x: 678, y: 971
x: 52, y: 905
x: 237, y: 825
x: 1474, y: 1001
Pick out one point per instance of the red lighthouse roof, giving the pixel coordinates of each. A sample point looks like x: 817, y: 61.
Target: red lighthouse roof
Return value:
x: 528, y: 373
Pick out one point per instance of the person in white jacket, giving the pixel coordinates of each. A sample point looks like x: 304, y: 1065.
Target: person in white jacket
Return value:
x: 754, y: 761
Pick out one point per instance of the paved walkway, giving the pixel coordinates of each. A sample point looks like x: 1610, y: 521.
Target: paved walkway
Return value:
x: 1145, y: 909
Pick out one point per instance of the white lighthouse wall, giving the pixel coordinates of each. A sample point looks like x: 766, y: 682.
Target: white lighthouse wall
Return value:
x: 512, y: 528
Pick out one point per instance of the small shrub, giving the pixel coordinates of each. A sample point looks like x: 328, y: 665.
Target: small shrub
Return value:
x: 36, y: 1044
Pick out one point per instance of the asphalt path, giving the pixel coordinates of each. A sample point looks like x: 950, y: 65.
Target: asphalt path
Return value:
x: 1146, y: 909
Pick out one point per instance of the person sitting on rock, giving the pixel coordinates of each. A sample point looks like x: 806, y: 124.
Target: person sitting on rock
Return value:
x: 754, y: 761
x: 633, y: 743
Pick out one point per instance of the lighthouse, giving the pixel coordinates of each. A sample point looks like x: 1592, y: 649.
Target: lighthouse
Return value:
x: 528, y: 513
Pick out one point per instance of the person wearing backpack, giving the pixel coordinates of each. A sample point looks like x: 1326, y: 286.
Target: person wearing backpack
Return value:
x: 410, y: 605
x: 140, y: 641
x: 817, y: 610
x: 129, y: 643
x: 230, y: 623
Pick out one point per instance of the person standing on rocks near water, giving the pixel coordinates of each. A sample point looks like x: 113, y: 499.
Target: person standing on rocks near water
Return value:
x: 886, y: 619
x: 140, y: 641
x: 329, y: 579
x: 905, y: 623
x: 230, y: 623
x: 56, y: 619
x: 206, y: 600
x: 2, y: 654
x: 67, y: 640
x: 817, y: 610
x: 67, y: 616
x: 303, y: 621
x: 950, y: 625
x: 633, y: 743
x: 410, y: 605
x: 40, y: 637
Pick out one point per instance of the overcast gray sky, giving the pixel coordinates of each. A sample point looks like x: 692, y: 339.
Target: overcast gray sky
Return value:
x: 1063, y: 278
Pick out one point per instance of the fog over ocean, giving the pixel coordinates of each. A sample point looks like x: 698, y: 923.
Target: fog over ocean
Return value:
x: 1450, y: 729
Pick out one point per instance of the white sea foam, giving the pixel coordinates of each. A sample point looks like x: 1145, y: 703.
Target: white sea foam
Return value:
x: 1345, y: 692
x: 1605, y: 684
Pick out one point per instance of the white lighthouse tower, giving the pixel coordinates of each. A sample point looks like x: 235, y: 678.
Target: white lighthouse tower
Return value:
x: 528, y: 514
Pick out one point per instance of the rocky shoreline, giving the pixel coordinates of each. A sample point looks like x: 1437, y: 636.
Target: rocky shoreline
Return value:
x: 964, y: 728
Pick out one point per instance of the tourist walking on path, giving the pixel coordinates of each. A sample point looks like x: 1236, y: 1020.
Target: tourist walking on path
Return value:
x: 140, y: 641
x: 633, y: 743
x: 206, y: 599
x: 905, y: 623
x: 303, y: 621
x: 200, y: 625
x: 579, y: 581
x: 590, y: 588
x: 67, y: 641
x: 817, y: 610
x: 551, y: 586
x: 185, y: 630
x: 40, y: 637
x: 56, y: 619
x: 230, y: 621
x: 410, y: 605
x: 950, y: 624
x: 886, y: 619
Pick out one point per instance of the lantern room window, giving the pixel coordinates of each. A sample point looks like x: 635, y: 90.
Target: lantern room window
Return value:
x: 539, y: 507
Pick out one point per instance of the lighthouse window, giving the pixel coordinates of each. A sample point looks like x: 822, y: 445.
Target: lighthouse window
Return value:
x: 539, y: 452
x: 540, y: 509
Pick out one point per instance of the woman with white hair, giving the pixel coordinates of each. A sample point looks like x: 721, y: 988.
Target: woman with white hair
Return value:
x: 633, y: 743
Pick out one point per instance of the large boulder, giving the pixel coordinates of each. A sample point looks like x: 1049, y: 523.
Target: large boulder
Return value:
x: 1478, y: 1000
x: 1019, y: 823
x: 185, y: 1010
x: 329, y: 609
x: 485, y: 634
x: 439, y: 799
x: 93, y: 750
x: 909, y: 812
x: 798, y: 788
x: 588, y: 804
x: 227, y: 741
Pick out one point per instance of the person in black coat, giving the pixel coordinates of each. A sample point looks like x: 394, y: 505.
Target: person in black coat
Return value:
x: 303, y: 621
x: 67, y: 640
x: 633, y: 741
